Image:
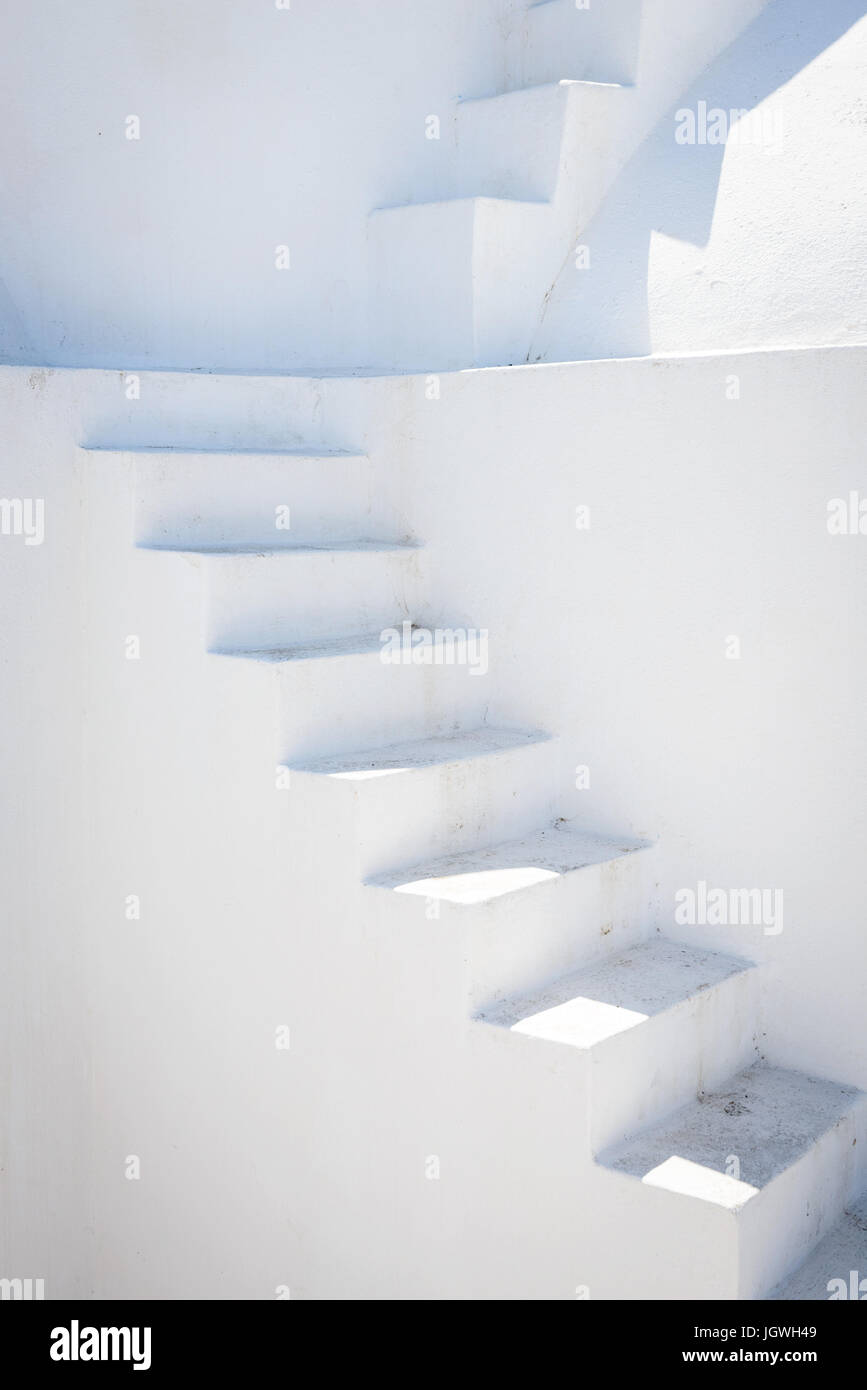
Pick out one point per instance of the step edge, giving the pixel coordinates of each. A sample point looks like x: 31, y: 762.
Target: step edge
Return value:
x: 741, y: 971
x: 383, y: 880
x: 561, y: 84
x: 525, y: 738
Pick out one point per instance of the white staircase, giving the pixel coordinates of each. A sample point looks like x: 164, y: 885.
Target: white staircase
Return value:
x: 462, y: 278
x: 727, y: 1172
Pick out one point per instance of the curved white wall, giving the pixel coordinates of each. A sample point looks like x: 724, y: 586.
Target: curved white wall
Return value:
x: 755, y: 242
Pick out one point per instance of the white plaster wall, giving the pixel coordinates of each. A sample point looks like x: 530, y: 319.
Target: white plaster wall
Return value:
x: 45, y: 1068
x: 156, y: 1037
x: 260, y: 127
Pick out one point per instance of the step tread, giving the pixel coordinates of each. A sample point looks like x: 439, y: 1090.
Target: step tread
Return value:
x: 766, y: 1116
x: 370, y: 643
x: 462, y: 198
x: 350, y: 547
x: 842, y: 1250
x: 420, y: 753
x: 588, y: 1006
x: 543, y: 4
x: 553, y: 87
x: 311, y: 649
x: 480, y: 875
x: 170, y: 450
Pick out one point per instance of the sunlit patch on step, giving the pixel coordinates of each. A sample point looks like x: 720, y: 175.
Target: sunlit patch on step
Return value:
x: 589, y: 1006
x: 485, y: 874
x: 479, y: 886
x: 362, y: 774
x: 765, y: 1117
x: 690, y: 1179
x: 580, y: 1022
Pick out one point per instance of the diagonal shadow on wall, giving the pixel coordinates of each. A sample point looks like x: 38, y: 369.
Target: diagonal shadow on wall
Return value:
x: 672, y: 188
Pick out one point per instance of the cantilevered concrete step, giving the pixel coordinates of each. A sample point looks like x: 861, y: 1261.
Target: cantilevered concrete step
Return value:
x: 416, y: 755
x: 590, y: 1007
x: 535, y: 907
x: 456, y: 281
x: 595, y: 41
x: 522, y: 144
x: 261, y: 598
x: 479, y: 876
x: 311, y: 648
x: 654, y: 1023
x: 748, y: 1178
x: 458, y: 650
x: 338, y: 692
x: 300, y: 549
x: 435, y: 793
x: 837, y: 1268
x: 216, y: 498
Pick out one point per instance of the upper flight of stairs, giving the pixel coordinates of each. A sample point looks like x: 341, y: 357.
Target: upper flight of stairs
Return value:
x: 462, y: 276
x: 727, y: 1172
x: 548, y: 35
